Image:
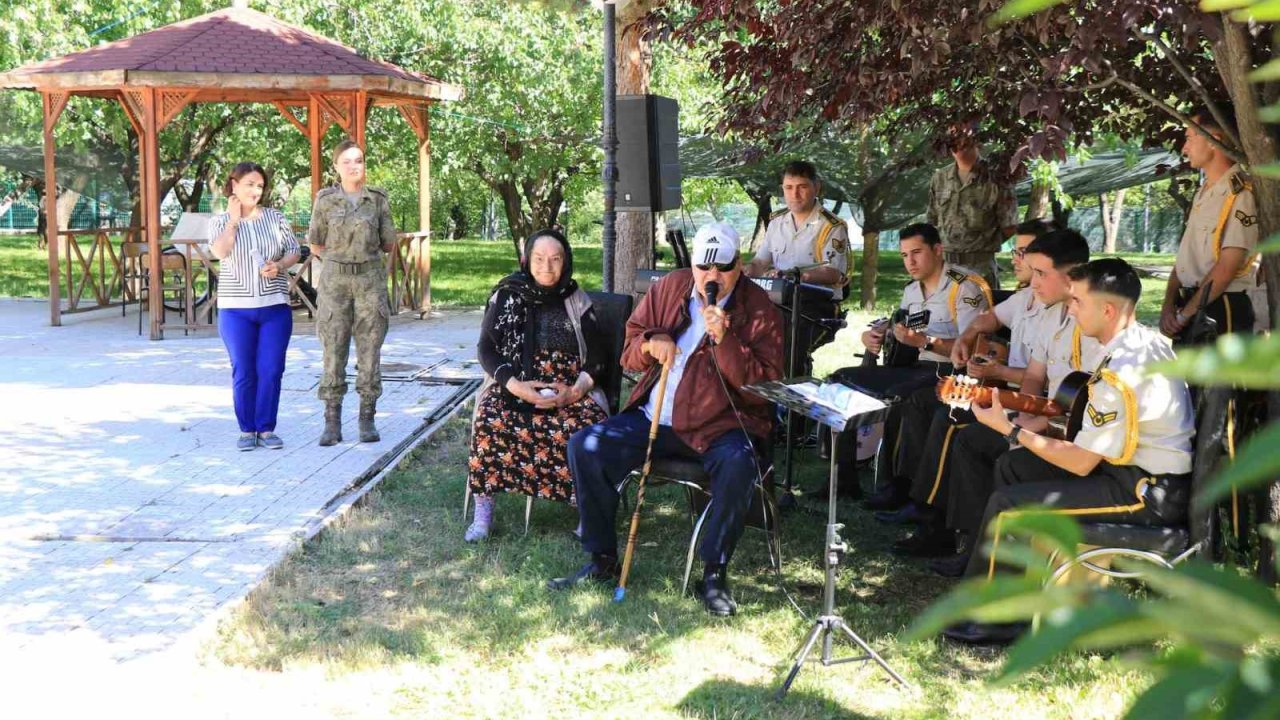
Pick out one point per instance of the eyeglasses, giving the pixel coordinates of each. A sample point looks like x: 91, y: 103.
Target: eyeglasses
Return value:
x: 722, y: 267
x: 1019, y: 252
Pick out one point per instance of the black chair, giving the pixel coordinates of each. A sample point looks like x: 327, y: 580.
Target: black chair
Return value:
x: 999, y: 296
x: 688, y: 473
x: 1165, y: 546
x: 611, y: 311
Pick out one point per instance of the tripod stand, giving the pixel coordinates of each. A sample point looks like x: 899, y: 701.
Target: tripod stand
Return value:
x: 829, y: 625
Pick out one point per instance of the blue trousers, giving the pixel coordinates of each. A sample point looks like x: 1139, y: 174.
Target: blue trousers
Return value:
x: 601, y: 456
x: 256, y: 340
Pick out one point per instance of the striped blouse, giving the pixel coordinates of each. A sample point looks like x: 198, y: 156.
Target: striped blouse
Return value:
x: 267, y: 237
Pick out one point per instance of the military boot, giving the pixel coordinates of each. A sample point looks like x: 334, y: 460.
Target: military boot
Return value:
x: 368, y: 408
x: 332, y: 434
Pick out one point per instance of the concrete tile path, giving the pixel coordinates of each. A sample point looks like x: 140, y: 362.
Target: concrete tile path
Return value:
x: 127, y: 517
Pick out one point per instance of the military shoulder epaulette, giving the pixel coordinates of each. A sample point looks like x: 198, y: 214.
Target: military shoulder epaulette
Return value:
x: 777, y: 214
x: 377, y: 191
x: 832, y: 217
x: 324, y: 192
x: 956, y: 275
x: 1240, y: 182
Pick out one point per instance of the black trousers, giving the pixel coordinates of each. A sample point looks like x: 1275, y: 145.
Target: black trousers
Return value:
x: 971, y: 478
x: 1111, y: 493
x: 601, y: 456
x: 1232, y: 311
x: 931, y: 480
x: 886, y: 382
x: 810, y: 335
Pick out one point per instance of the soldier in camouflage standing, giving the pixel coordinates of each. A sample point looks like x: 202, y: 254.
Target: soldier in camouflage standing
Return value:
x: 973, y: 213
x: 350, y: 230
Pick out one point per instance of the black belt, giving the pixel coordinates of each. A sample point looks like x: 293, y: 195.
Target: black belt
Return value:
x: 346, y: 268
x: 1185, y: 293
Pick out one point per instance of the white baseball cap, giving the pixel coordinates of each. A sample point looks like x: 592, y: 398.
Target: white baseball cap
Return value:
x: 715, y: 242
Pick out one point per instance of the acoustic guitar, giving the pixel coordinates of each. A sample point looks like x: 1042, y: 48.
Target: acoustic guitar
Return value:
x: 892, y: 352
x: 1068, y: 403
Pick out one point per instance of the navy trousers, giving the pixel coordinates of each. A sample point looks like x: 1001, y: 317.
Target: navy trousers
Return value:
x: 601, y: 457
x: 256, y: 340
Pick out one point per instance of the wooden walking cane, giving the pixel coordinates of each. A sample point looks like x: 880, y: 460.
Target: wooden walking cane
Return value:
x: 621, y: 591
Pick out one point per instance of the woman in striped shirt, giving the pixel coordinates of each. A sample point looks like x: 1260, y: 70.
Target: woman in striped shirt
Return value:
x: 256, y: 247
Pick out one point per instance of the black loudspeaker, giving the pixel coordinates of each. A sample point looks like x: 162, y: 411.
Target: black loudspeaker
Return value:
x: 648, y: 153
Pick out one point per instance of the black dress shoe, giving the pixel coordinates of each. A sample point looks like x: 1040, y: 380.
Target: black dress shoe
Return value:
x: 844, y: 491
x: 713, y: 589
x: 908, y: 514
x: 972, y: 633
x: 952, y: 567
x: 889, y: 498
x: 602, y: 569
x: 928, y: 542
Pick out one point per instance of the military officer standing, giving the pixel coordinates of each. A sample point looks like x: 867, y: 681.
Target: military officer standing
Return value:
x: 350, y: 230
x: 1219, y: 245
x: 973, y: 212
x: 805, y: 234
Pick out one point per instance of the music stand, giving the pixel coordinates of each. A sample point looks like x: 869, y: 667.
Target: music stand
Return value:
x: 794, y: 395
x: 788, y: 499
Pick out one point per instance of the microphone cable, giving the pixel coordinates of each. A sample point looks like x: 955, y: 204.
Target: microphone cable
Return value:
x: 755, y: 458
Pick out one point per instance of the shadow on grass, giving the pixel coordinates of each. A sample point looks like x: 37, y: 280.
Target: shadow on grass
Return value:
x: 729, y: 699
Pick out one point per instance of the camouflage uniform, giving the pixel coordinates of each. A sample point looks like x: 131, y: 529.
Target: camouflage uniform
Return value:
x: 353, y: 290
x: 971, y: 217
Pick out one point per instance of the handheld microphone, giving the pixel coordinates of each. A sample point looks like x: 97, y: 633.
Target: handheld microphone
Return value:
x: 713, y: 292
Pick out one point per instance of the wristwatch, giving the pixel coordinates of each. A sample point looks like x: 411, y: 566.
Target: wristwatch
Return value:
x: 928, y: 344
x: 1012, y: 437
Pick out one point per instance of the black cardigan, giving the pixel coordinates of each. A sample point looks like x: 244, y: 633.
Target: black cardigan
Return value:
x: 492, y: 360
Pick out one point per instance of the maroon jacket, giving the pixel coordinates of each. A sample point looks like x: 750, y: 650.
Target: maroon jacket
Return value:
x: 751, y: 352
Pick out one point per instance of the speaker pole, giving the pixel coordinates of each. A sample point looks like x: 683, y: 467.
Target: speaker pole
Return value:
x: 609, y: 141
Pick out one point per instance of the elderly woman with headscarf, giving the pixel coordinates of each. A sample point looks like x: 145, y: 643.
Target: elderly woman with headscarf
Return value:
x: 542, y: 355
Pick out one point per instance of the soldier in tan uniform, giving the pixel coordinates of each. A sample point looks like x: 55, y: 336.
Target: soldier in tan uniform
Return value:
x: 805, y: 234
x: 1219, y: 245
x: 973, y: 212
x: 350, y: 230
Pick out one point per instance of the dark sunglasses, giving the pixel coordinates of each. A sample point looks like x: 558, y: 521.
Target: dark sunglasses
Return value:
x: 722, y: 267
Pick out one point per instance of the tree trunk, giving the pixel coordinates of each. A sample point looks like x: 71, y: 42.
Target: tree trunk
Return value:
x: 634, y: 249
x: 1111, y: 212
x: 764, y: 208
x: 1234, y: 61
x: 870, y: 267
x: 1038, y: 204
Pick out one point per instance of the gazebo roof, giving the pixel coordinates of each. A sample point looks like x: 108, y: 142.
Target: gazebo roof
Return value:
x: 230, y: 55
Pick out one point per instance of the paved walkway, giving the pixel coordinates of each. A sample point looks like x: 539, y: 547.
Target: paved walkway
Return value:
x: 128, y: 519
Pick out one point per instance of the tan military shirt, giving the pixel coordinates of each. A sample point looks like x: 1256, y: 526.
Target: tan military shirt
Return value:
x: 1019, y: 312
x: 970, y: 214
x: 1057, y: 342
x: 351, y: 234
x: 961, y: 296
x: 823, y: 238
x: 1198, y: 252
x: 1136, y: 416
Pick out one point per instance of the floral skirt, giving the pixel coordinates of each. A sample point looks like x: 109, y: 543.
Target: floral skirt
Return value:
x: 518, y: 448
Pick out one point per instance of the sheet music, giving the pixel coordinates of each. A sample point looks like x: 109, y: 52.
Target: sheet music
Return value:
x: 833, y: 404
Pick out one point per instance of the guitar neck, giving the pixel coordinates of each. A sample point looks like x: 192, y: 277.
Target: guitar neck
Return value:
x: 1022, y: 402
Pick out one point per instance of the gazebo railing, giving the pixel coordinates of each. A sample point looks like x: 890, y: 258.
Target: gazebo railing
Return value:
x: 93, y: 266
x: 405, y: 282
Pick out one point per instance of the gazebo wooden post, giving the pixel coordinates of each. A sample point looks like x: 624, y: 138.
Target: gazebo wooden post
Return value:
x: 53, y: 104
x: 149, y: 182
x: 423, y: 250
x: 419, y: 119
x: 359, y: 117
x: 315, y: 133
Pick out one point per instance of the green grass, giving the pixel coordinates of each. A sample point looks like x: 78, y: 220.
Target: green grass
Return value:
x: 390, y: 603
x: 24, y: 270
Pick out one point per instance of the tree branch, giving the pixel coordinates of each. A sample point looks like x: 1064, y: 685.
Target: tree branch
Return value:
x: 1196, y: 85
x: 1185, y: 120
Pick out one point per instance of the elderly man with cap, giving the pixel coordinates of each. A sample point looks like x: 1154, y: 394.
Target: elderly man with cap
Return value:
x: 719, y: 332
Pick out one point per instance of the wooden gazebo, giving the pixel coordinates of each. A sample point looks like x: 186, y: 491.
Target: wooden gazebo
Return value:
x: 231, y: 55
